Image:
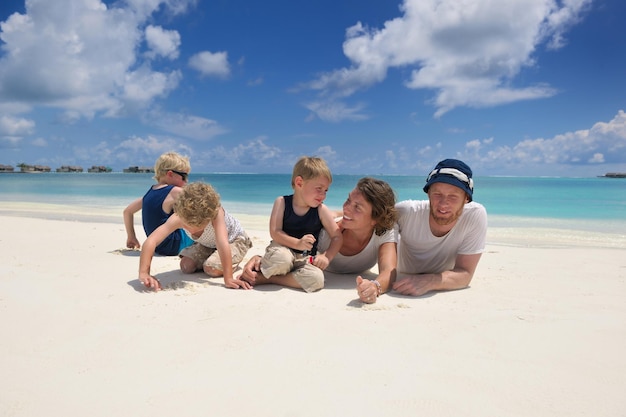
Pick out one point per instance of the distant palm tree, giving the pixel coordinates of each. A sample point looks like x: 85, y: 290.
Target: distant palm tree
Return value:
x: 23, y: 166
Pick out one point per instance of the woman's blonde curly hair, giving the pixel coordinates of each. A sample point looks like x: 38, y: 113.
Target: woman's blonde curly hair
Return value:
x: 197, y: 204
x: 383, y: 200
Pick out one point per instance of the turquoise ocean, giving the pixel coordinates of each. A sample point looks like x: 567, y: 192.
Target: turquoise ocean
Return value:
x: 586, y: 204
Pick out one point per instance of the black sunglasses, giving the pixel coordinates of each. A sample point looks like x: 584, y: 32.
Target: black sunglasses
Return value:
x: 183, y: 175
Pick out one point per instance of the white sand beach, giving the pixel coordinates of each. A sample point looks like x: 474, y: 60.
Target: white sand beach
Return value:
x: 540, y: 332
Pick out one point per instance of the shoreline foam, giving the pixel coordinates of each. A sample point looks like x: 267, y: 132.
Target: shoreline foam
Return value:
x: 522, y: 232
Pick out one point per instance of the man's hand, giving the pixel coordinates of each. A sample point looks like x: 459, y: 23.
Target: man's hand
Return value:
x: 416, y: 285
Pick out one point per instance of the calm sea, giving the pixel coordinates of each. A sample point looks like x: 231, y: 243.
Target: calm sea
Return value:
x: 594, y: 204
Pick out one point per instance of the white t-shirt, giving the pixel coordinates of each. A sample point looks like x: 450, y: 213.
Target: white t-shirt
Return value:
x: 419, y: 251
x: 363, y: 260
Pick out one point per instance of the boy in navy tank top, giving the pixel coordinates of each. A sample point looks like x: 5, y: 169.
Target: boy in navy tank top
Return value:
x: 171, y: 172
x: 296, y: 220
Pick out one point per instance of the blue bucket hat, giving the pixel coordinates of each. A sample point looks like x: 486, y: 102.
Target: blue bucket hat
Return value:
x: 453, y: 172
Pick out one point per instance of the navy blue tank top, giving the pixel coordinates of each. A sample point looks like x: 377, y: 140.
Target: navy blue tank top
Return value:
x: 298, y: 226
x: 153, y: 216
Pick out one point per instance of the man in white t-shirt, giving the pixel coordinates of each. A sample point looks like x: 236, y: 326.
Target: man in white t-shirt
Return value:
x: 442, y: 238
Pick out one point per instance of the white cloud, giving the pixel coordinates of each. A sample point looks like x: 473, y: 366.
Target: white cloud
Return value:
x: 150, y: 144
x: 10, y: 141
x: 256, y: 81
x: 133, y: 151
x: 211, y: 64
x: 143, y: 85
x: 144, y: 8
x: 190, y: 126
x: 327, y: 153
x: 83, y: 56
x: 16, y: 126
x: 335, y: 111
x: 467, y: 52
x: 396, y: 159
x: 162, y: 42
x: 141, y: 150
x: 597, y: 158
x: 40, y: 142
x: 254, y: 155
x: 562, y: 18
x: 604, y: 142
x: 255, y: 150
x: 390, y: 159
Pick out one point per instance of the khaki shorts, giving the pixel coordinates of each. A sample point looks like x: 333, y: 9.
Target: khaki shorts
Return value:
x: 280, y: 260
x: 205, y: 256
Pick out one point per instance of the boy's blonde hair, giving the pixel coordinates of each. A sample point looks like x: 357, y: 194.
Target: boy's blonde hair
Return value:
x: 170, y: 161
x: 309, y: 167
x: 197, y: 204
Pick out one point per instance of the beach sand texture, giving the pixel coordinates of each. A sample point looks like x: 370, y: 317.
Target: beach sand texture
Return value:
x: 540, y: 332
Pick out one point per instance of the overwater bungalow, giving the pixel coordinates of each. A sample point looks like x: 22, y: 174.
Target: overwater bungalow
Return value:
x: 34, y: 168
x: 141, y: 170
x: 6, y: 168
x: 99, y: 168
x: 70, y: 168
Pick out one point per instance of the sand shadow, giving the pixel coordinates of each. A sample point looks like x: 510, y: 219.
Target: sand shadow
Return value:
x: 358, y: 304
x: 393, y: 294
x: 127, y: 252
x: 331, y: 281
x: 273, y: 288
x: 176, y: 280
x: 427, y: 295
x: 336, y: 281
x: 136, y: 253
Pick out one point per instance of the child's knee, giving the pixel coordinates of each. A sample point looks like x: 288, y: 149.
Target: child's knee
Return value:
x: 318, y: 281
x: 212, y: 271
x: 310, y: 278
x: 187, y: 265
x: 276, y: 261
x: 315, y: 284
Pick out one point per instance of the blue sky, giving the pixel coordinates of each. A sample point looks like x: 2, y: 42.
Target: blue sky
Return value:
x: 513, y: 87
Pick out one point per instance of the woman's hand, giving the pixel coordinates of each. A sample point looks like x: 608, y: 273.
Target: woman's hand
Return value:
x: 367, y: 290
